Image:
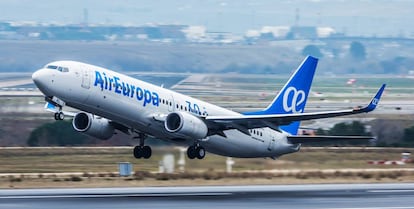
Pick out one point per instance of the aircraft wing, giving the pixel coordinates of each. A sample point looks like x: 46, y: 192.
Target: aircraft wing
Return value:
x: 244, y: 122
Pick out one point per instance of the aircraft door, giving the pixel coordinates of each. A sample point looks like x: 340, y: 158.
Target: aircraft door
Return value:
x: 86, y: 81
x: 271, y: 144
x: 171, y: 103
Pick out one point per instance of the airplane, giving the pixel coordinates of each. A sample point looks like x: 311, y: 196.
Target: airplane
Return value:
x: 109, y: 101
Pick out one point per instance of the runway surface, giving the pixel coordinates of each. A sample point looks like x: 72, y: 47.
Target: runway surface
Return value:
x: 343, y: 196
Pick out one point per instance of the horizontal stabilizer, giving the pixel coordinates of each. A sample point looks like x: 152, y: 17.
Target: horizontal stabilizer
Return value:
x: 274, y: 121
x: 309, y: 139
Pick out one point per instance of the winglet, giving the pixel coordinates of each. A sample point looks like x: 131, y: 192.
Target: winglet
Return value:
x: 374, y: 102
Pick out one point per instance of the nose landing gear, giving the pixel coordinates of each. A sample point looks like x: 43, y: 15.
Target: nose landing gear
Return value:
x: 52, y: 104
x: 59, y: 115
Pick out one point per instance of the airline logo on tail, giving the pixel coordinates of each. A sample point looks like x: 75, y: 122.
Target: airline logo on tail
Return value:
x: 292, y: 99
x: 375, y: 101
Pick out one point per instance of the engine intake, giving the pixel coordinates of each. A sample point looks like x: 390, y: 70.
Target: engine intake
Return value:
x: 93, y: 126
x: 186, y: 125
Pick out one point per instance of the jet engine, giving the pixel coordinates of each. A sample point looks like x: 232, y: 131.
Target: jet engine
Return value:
x: 186, y: 125
x: 93, y: 126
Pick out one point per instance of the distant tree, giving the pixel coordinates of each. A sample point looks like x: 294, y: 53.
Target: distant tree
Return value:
x: 408, y: 138
x: 320, y: 131
x: 344, y: 129
x: 355, y: 128
x: 389, y: 132
x: 58, y: 133
x: 312, y: 50
x: 398, y: 64
x: 357, y: 51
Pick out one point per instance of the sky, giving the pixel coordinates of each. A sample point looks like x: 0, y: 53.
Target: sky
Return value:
x: 353, y: 17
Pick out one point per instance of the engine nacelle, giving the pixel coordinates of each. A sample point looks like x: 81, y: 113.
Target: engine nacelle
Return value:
x: 93, y: 126
x: 186, y: 125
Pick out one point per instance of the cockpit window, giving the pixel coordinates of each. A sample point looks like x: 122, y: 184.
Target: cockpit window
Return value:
x: 61, y: 69
x: 52, y: 67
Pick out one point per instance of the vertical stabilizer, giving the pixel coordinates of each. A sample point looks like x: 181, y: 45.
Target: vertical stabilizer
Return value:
x: 293, y: 96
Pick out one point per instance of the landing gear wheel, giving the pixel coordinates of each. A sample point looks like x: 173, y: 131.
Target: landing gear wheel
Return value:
x: 191, y: 152
x: 196, y: 152
x: 142, y: 152
x: 59, y: 116
x: 137, y: 152
x: 200, y: 152
x: 146, y: 152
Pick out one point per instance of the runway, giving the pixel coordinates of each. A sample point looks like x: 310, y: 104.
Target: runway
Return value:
x: 340, y: 196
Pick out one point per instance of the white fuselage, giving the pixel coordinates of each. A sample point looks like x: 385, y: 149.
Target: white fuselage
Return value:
x: 143, y: 107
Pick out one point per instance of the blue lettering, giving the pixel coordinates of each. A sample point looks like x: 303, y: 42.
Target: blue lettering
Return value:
x: 117, y: 85
x: 125, y: 89
x: 147, y: 97
x: 155, y: 99
x: 98, y: 79
x: 129, y: 90
x: 189, y: 106
x: 110, y: 84
x: 106, y: 81
x: 196, y: 109
x: 140, y: 94
x: 132, y: 90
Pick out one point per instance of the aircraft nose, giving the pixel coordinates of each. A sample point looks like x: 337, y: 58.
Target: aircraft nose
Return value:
x: 40, y: 79
x: 37, y: 77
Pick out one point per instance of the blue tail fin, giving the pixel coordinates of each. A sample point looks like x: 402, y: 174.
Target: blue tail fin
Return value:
x: 293, y: 96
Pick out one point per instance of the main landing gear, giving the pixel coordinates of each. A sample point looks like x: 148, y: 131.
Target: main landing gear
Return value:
x: 142, y: 151
x: 53, y: 103
x: 196, y: 151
